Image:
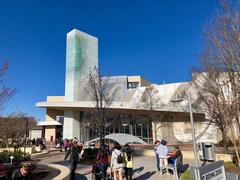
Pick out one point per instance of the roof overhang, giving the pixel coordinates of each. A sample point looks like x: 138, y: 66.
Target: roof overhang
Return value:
x: 49, y: 123
x: 180, y: 113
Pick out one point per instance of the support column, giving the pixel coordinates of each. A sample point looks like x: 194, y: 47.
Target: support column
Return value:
x: 71, y: 125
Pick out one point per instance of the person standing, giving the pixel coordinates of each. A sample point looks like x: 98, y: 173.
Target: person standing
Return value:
x: 117, y: 161
x: 74, y: 152
x: 162, y: 152
x: 156, y: 144
x: 128, y: 155
x: 102, y: 159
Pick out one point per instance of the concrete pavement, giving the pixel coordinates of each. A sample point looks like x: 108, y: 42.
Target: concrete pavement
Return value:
x: 144, y: 166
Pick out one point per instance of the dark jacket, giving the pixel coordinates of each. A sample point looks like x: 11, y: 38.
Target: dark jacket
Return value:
x: 16, y: 175
x: 73, y: 152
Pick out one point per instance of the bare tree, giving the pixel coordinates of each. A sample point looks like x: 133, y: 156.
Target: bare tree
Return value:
x: 5, y: 92
x: 98, y: 89
x: 14, y: 127
x: 212, y: 101
x: 219, y: 87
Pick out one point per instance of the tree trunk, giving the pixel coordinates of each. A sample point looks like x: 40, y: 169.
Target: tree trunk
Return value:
x: 238, y: 126
x: 155, y: 131
x: 101, y: 135
x: 224, y: 139
x: 6, y: 143
x: 103, y: 124
x: 235, y: 147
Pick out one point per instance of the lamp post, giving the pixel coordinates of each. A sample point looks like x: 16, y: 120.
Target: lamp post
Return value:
x: 192, y: 126
x: 193, y: 130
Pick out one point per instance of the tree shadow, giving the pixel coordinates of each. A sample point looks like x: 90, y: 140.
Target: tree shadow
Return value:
x: 138, y: 170
x: 146, y: 175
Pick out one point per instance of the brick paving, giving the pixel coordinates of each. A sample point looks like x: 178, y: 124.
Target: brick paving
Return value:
x: 144, y: 166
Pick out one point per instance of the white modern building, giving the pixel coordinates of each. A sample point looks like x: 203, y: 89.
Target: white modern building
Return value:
x: 128, y: 114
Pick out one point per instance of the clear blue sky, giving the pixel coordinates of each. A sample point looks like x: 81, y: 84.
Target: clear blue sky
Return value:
x: 159, y: 40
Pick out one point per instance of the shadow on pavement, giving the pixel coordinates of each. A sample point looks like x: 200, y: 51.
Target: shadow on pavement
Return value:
x: 146, y: 175
x: 138, y: 170
x: 80, y: 176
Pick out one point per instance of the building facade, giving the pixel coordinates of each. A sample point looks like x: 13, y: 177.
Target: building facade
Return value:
x: 129, y: 112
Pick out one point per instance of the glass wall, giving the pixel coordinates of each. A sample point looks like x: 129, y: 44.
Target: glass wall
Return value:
x: 136, y: 125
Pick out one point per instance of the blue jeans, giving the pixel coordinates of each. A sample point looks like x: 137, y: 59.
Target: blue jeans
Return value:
x: 158, y: 162
x: 73, y: 168
x: 103, y: 169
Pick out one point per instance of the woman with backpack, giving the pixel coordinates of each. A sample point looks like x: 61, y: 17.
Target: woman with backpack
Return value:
x: 117, y: 161
x: 128, y: 155
x: 102, y: 159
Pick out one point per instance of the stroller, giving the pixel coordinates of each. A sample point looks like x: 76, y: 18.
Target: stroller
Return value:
x: 96, y: 173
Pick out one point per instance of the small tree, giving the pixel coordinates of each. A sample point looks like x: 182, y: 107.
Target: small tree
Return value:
x: 98, y: 89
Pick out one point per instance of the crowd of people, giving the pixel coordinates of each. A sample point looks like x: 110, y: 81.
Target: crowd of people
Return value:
x: 109, y: 162
x: 116, y: 162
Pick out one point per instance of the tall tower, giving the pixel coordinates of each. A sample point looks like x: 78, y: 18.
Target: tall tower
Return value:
x: 81, y: 55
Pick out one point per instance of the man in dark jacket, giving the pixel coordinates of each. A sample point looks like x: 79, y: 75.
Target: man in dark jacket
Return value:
x: 74, y: 152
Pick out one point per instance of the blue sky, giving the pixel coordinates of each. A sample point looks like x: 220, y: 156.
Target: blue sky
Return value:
x: 157, y: 39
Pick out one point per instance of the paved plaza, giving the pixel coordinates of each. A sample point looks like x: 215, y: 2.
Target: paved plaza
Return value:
x: 144, y: 166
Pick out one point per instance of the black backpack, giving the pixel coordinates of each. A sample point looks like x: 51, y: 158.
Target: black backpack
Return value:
x: 119, y: 158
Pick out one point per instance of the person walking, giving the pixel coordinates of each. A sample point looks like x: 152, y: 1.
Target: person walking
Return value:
x: 74, y: 153
x: 156, y: 144
x: 66, y: 145
x: 128, y: 155
x: 102, y: 159
x: 117, y: 161
x: 162, y: 152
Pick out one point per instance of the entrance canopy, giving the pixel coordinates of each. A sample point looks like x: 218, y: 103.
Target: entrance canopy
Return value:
x: 121, y: 138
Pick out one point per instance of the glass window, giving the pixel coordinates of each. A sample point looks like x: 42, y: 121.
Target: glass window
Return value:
x: 133, y: 85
